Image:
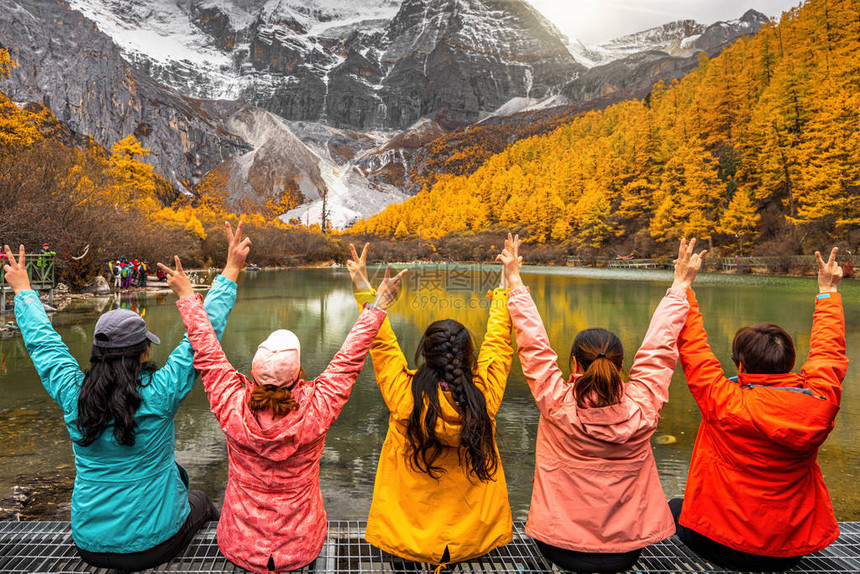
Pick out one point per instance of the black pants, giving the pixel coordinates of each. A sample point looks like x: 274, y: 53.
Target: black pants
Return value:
x: 202, y: 510
x: 724, y: 556
x: 588, y: 561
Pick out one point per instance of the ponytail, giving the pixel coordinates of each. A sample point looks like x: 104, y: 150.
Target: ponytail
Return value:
x: 449, y: 360
x: 600, y: 355
x: 272, y: 397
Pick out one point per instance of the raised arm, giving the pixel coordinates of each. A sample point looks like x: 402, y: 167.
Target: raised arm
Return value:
x: 224, y: 385
x: 334, y: 385
x: 497, y: 353
x: 539, y: 361
x: 178, y: 371
x: 827, y: 364
x: 654, y: 363
x: 58, y: 370
x: 389, y: 364
x: 705, y: 378
x: 179, y: 368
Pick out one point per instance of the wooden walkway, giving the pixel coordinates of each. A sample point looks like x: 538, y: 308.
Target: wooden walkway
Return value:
x: 36, y: 547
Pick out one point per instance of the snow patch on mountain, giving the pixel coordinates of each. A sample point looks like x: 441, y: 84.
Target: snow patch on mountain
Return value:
x: 666, y: 38
x: 519, y: 105
x: 350, y: 198
x: 681, y: 38
x: 162, y: 32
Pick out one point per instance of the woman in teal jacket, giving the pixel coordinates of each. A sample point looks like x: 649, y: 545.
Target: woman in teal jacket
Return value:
x: 131, y: 507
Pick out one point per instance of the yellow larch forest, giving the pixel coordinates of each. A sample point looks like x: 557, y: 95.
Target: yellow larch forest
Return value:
x: 759, y: 143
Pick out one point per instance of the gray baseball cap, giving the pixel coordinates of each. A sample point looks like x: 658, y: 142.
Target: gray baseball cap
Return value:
x: 121, y: 328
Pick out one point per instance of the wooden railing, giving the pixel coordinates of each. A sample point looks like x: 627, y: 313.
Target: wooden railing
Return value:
x: 40, y: 268
x: 772, y: 264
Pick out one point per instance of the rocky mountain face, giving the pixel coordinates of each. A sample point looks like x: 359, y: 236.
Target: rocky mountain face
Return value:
x: 671, y: 52
x: 318, y: 171
x: 66, y: 63
x: 362, y: 65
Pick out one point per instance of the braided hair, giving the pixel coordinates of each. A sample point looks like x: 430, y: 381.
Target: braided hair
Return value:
x: 449, y: 362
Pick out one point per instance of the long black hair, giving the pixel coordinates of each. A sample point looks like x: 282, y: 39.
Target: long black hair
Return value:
x: 109, y: 395
x: 449, y: 356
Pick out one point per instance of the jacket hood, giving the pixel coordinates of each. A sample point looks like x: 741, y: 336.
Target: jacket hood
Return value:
x: 785, y: 411
x: 615, y: 423
x: 279, y: 439
x: 449, y: 422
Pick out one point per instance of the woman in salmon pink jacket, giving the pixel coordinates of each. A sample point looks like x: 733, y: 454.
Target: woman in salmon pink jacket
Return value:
x: 597, y: 499
x: 273, y: 519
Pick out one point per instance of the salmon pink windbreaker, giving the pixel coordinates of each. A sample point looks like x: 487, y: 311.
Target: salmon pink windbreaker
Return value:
x: 273, y: 508
x: 596, y: 487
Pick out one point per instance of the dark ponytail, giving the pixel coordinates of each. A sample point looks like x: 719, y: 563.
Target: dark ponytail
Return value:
x: 274, y: 397
x: 600, y: 356
x: 109, y: 395
x: 449, y: 357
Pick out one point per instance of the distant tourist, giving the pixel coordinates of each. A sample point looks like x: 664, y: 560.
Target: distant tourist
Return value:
x: 46, y: 256
x: 755, y: 498
x: 597, y: 499
x: 273, y: 519
x: 440, y: 494
x: 131, y: 507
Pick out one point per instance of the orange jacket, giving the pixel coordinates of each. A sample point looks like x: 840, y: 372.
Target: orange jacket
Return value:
x: 754, y: 483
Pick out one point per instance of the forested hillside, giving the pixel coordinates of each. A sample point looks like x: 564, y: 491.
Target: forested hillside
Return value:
x: 757, y: 148
x: 64, y: 188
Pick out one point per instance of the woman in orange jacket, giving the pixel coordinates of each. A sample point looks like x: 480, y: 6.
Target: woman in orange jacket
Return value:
x: 755, y: 498
x: 440, y: 494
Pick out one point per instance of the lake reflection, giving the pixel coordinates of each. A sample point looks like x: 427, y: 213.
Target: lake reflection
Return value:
x: 318, y: 305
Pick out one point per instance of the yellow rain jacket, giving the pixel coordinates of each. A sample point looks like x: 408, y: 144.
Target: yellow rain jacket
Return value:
x: 413, y: 515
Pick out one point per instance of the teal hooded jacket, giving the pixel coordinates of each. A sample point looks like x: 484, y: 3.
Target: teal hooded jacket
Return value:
x: 126, y: 498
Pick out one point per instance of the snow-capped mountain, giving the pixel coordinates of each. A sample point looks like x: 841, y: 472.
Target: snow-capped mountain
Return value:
x: 681, y: 38
x: 667, y: 53
x: 369, y: 64
x: 332, y: 99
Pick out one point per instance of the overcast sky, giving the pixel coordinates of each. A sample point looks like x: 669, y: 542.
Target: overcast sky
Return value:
x: 594, y: 21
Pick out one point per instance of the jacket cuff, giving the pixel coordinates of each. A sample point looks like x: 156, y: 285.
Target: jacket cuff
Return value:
x: 373, y: 309
x: 828, y: 296
x: 190, y: 301
x: 677, y: 294
x: 221, y: 279
x: 26, y: 296
x: 522, y: 289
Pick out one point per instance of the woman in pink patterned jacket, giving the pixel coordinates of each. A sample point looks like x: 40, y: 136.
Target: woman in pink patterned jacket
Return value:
x: 597, y: 499
x: 273, y: 519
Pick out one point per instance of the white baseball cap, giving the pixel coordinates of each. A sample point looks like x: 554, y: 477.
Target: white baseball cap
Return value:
x: 278, y: 359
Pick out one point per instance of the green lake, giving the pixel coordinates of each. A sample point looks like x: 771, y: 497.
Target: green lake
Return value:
x: 319, y: 306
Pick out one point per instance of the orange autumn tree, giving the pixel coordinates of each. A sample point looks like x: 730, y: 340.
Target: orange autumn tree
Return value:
x: 770, y: 125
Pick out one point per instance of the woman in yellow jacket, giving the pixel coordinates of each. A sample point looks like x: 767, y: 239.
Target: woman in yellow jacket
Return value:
x: 440, y: 494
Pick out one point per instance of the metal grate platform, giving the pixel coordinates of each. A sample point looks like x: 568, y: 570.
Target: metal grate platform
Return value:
x: 34, y: 547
